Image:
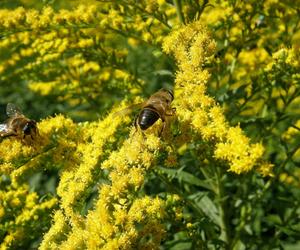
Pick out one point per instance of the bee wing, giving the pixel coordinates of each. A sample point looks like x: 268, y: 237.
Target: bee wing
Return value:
x: 128, y: 109
x: 13, y: 110
x: 3, y: 128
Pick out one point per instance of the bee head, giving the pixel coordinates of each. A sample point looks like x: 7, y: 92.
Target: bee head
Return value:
x: 29, y: 126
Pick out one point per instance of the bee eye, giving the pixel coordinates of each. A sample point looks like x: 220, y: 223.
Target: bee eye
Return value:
x: 27, y: 129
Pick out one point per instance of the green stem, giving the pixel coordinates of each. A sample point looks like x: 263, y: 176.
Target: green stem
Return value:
x: 210, y: 180
x: 222, y: 208
x: 178, y: 11
x: 201, y: 9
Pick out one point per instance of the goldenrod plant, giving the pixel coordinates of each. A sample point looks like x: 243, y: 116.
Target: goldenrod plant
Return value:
x: 222, y: 172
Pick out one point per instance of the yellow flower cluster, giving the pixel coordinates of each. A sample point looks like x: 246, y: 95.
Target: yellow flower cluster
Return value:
x: 150, y: 19
x: 249, y: 39
x: 21, y: 213
x: 118, y: 208
x: 44, y: 44
x: 288, y: 57
x: 57, y: 232
x: 238, y: 151
x: 292, y: 132
x: 113, y: 222
x: 33, y: 19
x: 76, y: 179
x: 251, y: 60
x: 283, y: 75
x: 191, y: 47
x: 56, y: 139
x: 82, y: 152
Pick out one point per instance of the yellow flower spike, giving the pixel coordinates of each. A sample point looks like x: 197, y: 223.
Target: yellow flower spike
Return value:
x: 219, y: 124
x: 21, y: 210
x: 191, y: 46
x: 57, y: 230
x: 127, y: 170
x: 74, y: 182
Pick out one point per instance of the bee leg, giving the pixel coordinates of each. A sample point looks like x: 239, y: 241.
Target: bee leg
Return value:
x: 8, y: 134
x: 171, y: 112
x: 135, y: 124
x: 162, y: 128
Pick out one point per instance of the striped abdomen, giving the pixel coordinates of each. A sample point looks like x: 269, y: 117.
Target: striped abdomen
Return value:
x: 147, y: 118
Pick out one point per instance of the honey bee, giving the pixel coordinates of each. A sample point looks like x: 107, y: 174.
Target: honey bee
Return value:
x: 17, y: 124
x: 158, y: 106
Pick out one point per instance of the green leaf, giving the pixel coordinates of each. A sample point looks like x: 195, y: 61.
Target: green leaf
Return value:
x: 239, y: 245
x: 163, y: 72
x: 295, y: 246
x: 186, y: 177
x: 206, y: 205
x: 274, y: 218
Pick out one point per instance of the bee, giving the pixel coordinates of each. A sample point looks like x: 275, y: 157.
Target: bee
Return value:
x: 158, y: 106
x: 17, y: 124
